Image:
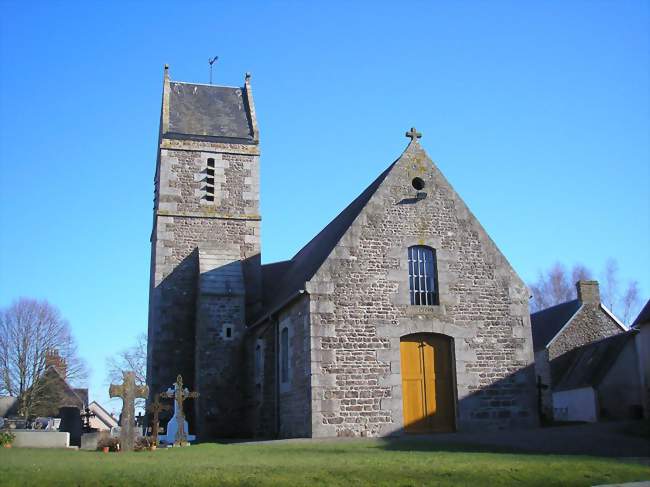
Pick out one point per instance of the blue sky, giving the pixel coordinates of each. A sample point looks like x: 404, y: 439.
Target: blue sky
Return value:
x: 537, y: 113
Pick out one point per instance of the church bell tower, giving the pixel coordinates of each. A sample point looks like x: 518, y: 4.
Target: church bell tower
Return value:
x: 205, y: 249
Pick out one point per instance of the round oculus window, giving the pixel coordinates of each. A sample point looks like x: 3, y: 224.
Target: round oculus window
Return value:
x: 418, y: 183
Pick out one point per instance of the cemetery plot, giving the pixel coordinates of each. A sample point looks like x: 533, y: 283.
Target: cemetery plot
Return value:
x: 342, y: 462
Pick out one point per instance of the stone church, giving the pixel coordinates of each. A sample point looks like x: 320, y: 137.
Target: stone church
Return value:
x: 400, y: 316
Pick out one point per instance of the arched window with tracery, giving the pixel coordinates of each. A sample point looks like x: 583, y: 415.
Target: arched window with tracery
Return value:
x: 423, y: 275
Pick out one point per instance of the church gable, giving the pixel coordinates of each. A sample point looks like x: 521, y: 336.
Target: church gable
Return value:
x: 435, y: 214
x: 364, y: 304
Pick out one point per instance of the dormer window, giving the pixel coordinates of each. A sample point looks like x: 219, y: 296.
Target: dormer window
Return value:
x: 423, y: 276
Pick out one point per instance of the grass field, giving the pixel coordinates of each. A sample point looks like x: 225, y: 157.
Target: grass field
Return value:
x: 355, y: 462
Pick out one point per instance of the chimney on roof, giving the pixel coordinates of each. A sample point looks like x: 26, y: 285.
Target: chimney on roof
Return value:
x: 52, y: 358
x: 588, y: 292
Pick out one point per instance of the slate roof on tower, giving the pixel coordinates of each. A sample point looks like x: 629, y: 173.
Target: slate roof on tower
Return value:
x: 209, y: 112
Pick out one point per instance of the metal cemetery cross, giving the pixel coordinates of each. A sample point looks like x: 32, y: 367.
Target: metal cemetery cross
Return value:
x: 128, y: 391
x: 413, y: 134
x: 179, y: 395
x: 85, y: 417
x: 155, y: 408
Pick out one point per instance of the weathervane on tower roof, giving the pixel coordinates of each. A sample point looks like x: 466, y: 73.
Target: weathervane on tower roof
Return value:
x: 211, y: 61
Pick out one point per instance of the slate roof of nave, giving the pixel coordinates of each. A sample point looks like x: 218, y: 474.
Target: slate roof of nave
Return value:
x: 548, y: 322
x: 197, y: 110
x: 287, y: 278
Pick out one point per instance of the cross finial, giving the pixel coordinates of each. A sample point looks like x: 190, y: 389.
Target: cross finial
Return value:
x: 413, y: 134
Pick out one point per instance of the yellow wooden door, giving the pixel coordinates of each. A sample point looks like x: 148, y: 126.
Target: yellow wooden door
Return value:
x: 427, y: 388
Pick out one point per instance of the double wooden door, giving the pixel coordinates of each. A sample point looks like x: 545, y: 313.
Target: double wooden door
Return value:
x: 427, y: 383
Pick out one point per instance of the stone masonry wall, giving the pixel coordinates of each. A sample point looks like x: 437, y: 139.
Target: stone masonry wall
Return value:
x: 295, y: 397
x: 261, y: 392
x: 591, y: 323
x: 220, y: 327
x: 360, y: 308
x: 183, y: 221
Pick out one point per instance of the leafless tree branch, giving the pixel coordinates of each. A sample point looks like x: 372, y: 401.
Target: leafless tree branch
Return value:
x: 556, y: 286
x: 29, y: 329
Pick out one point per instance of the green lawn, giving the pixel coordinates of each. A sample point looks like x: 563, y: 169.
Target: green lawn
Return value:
x: 354, y: 462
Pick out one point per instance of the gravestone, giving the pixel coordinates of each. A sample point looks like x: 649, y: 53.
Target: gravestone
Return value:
x: 90, y: 441
x: 71, y: 423
x: 128, y: 391
x: 177, y: 428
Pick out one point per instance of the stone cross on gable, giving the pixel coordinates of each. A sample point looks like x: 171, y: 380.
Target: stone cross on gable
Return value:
x: 155, y: 408
x: 413, y: 134
x: 128, y: 391
x: 179, y: 395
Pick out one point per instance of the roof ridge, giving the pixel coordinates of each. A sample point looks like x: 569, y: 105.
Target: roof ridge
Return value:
x: 377, y: 181
x: 306, y: 262
x: 554, y: 306
x: 205, y: 84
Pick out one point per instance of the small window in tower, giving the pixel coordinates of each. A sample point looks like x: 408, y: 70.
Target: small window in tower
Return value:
x: 228, y: 332
x: 209, y: 189
x: 418, y: 183
x: 209, y: 180
x: 210, y: 171
x: 211, y: 162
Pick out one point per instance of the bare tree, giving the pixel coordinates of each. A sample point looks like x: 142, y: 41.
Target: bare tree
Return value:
x: 609, y: 288
x: 630, y: 302
x: 555, y: 286
x: 132, y: 358
x: 580, y: 273
x: 29, y: 331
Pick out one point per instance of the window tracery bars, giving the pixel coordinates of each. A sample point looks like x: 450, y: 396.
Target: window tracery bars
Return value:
x: 422, y: 276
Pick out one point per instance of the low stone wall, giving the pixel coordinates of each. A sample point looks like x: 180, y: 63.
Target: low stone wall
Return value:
x: 41, y: 439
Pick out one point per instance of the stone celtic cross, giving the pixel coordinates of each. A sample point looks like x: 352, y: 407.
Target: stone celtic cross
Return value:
x: 155, y: 408
x: 414, y: 134
x: 179, y: 395
x: 128, y: 391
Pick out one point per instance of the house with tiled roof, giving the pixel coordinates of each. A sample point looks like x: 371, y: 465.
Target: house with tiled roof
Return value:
x: 600, y: 380
x: 560, y: 330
